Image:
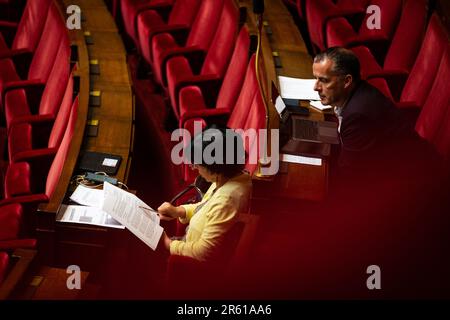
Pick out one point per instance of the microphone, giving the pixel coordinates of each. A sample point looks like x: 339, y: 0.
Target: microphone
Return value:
x: 258, y: 6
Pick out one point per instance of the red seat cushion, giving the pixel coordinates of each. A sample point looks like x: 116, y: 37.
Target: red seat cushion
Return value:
x: 161, y: 45
x: 10, y: 219
x: 177, y: 70
x: 18, y: 180
x: 191, y: 98
x: 16, y: 105
x: 19, y: 139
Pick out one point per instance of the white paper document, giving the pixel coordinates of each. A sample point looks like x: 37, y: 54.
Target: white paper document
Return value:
x: 319, y: 105
x: 133, y: 213
x: 280, y: 105
x: 301, y: 159
x: 87, y: 215
x: 295, y: 88
x: 87, y: 196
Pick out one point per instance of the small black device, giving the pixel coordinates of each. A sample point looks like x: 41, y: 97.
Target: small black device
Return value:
x: 100, y: 162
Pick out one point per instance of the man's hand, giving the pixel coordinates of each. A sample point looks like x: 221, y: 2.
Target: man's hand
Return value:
x: 167, y: 212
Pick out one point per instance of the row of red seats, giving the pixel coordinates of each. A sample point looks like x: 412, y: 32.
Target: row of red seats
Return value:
x: 40, y: 113
x: 200, y: 57
x: 406, y: 58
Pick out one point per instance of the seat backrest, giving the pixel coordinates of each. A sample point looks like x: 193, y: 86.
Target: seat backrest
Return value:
x: 45, y: 53
x: 205, y: 24
x: 31, y: 25
x: 248, y: 116
x: 60, y: 123
x: 184, y: 12
x: 221, y: 47
x: 240, y: 111
x: 58, y: 162
x: 423, y: 73
x: 390, y: 13
x: 57, y: 80
x: 435, y: 110
x: 407, y: 38
x: 234, y: 77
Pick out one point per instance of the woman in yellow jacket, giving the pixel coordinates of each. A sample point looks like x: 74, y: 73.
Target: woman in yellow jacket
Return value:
x: 210, y: 219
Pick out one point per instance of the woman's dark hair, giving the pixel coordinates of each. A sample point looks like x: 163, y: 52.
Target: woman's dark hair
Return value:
x: 218, y: 149
x: 345, y: 61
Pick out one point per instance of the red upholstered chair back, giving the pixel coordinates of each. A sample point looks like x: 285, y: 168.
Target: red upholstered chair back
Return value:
x: 390, y: 13
x: 248, y: 91
x: 408, y: 36
x: 248, y: 116
x: 184, y: 12
x: 221, y: 47
x: 205, y: 24
x: 234, y: 76
x: 60, y: 124
x: 423, y: 73
x: 58, y: 162
x: 433, y: 120
x: 31, y: 24
x: 42, y: 62
x: 57, y: 81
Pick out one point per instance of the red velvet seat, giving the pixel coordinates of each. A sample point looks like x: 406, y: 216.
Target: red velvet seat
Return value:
x: 166, y: 45
x: 201, y: 99
x: 28, y: 31
x: 43, y: 58
x: 247, y: 118
x: 423, y: 73
x: 403, y: 49
x: 180, y: 72
x: 130, y: 10
x: 34, y: 181
x: 150, y: 22
x: 433, y: 121
x: 339, y: 31
x: 25, y: 139
x: 17, y: 106
x: 319, y: 12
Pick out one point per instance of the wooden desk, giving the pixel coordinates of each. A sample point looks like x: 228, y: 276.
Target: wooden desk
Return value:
x: 297, y: 181
x: 97, y: 19
x: 115, y: 134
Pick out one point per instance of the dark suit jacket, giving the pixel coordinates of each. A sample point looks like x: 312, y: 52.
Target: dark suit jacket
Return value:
x: 371, y: 126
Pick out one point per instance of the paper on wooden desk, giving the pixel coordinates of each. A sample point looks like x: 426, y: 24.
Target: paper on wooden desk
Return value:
x: 295, y: 88
x: 133, y: 213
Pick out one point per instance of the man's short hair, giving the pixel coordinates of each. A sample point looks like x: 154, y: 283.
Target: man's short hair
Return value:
x: 345, y: 61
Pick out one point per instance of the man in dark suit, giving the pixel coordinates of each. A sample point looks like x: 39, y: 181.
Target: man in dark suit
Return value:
x: 369, y: 123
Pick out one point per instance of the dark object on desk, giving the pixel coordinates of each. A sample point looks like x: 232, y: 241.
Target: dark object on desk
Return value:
x: 92, y: 130
x: 100, y: 162
x: 292, y: 108
x: 300, y: 136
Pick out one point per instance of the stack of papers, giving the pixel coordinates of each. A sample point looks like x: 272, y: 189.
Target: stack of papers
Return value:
x: 115, y: 208
x: 295, y: 88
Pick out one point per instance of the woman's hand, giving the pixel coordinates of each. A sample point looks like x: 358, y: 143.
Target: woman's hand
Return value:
x: 166, y: 240
x: 167, y: 212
